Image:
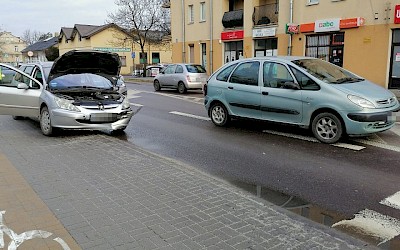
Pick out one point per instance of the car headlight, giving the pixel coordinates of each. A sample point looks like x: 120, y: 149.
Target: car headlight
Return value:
x: 65, y: 104
x: 364, y: 103
x: 126, y: 104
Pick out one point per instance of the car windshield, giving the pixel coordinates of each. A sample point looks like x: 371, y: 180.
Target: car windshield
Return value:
x: 195, y: 69
x: 80, y: 81
x: 327, y: 72
x: 46, y: 72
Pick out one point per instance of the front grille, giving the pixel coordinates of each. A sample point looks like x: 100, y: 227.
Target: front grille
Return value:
x: 386, y: 101
x: 381, y: 125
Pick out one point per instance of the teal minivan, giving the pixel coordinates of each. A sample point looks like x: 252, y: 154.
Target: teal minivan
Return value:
x: 303, y: 91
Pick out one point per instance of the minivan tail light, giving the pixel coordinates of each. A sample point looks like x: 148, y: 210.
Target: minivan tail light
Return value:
x: 188, y: 78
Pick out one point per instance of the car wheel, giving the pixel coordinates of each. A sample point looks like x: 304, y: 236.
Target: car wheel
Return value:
x: 219, y: 115
x: 45, y: 122
x: 181, y: 88
x: 157, y: 86
x: 15, y: 117
x: 327, y: 128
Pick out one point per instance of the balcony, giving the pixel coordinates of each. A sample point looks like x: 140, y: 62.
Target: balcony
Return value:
x: 265, y: 15
x: 232, y: 19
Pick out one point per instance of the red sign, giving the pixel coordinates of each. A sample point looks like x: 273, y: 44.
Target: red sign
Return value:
x: 397, y: 14
x: 352, y: 22
x: 232, y: 35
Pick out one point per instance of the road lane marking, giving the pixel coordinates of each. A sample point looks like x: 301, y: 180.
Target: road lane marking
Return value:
x: 369, y: 222
x: 378, y: 145
x: 392, y: 201
x: 136, y: 104
x: 312, y: 139
x: 190, y: 115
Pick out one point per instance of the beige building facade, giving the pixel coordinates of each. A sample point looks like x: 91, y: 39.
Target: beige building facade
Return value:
x: 113, y: 39
x: 361, y: 36
x: 10, y: 48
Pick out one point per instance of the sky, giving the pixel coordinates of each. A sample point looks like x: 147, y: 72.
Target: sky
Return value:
x: 50, y: 15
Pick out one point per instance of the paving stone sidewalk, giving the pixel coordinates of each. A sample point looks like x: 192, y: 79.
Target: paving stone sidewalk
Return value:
x: 110, y: 194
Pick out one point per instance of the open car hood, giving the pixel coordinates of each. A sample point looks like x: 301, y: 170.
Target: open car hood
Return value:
x: 87, y: 61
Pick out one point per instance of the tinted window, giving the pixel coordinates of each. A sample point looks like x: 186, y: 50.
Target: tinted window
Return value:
x: 305, y: 82
x: 170, y: 69
x: 195, y: 69
x: 179, y: 69
x: 38, y: 76
x: 6, y: 76
x: 275, y: 75
x: 224, y: 74
x: 246, y: 73
x: 28, y: 70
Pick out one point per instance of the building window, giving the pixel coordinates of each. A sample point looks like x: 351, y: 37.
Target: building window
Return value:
x: 328, y: 47
x: 123, y: 61
x: 266, y: 47
x: 312, y: 2
x: 233, y: 51
x: 155, y: 57
x: 202, y: 12
x: 191, y: 14
x: 16, y: 48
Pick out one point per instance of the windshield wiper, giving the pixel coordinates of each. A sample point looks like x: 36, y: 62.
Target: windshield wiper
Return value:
x: 83, y: 89
x: 348, y: 79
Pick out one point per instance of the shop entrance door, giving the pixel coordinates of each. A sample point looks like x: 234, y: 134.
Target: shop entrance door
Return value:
x: 336, y: 55
x: 394, y: 81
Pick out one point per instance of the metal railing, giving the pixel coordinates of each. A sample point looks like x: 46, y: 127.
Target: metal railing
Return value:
x: 266, y: 14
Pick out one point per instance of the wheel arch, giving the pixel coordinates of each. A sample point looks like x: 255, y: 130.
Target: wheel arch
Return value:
x: 212, y: 104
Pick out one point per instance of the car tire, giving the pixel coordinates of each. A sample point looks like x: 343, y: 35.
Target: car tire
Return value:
x: 181, y: 88
x: 327, y: 128
x: 219, y: 115
x: 16, y: 117
x: 157, y: 86
x: 45, y: 122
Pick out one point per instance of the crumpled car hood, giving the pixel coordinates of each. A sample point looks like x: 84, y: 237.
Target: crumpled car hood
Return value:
x: 87, y: 61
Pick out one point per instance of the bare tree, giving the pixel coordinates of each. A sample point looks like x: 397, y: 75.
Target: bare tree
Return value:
x: 31, y: 37
x: 141, y: 19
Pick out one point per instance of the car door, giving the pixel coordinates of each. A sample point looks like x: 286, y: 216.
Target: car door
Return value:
x: 178, y: 76
x: 166, y: 79
x: 278, y: 103
x: 243, y: 93
x: 17, y: 96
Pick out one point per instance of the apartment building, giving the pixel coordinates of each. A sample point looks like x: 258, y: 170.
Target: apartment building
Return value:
x: 361, y: 36
x: 10, y: 48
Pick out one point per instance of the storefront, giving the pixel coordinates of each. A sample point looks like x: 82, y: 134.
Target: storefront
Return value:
x: 233, y: 45
x: 394, y: 75
x: 265, y: 42
x: 328, y: 39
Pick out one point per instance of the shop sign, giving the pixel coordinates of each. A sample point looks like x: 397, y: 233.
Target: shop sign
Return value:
x: 352, y: 22
x: 327, y: 25
x: 264, y: 32
x: 232, y: 35
x: 292, y: 28
x: 397, y: 14
x: 108, y: 49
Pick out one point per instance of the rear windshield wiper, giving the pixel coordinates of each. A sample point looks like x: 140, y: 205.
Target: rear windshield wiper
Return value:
x: 348, y: 79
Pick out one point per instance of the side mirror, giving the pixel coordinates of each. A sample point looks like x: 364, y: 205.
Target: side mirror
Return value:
x: 291, y: 85
x: 22, y: 86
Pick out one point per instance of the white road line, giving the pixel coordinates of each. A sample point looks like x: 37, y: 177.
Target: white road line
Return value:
x: 371, y: 223
x: 392, y: 201
x: 378, y: 145
x: 136, y: 104
x: 190, y: 115
x: 311, y: 139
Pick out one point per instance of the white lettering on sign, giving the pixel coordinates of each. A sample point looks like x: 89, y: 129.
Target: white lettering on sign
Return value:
x: 264, y: 32
x: 327, y: 25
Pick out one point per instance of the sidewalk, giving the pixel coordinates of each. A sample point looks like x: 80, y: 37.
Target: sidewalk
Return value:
x: 109, y: 194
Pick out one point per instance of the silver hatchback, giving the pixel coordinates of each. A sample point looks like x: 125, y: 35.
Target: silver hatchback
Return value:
x: 182, y: 77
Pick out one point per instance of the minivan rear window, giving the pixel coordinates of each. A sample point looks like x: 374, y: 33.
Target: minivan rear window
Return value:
x: 195, y: 69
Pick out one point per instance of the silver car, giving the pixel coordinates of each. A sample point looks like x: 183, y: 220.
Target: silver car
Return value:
x: 77, y: 92
x: 181, y: 77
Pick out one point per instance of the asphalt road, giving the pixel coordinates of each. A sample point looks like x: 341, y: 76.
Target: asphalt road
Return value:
x: 342, y: 180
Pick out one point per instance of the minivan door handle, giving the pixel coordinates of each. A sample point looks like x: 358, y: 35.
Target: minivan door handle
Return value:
x: 264, y: 92
x: 230, y: 87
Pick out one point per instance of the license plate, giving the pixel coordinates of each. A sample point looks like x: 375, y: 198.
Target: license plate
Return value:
x: 103, y: 117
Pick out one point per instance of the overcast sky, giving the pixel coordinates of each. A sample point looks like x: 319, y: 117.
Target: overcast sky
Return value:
x: 50, y: 15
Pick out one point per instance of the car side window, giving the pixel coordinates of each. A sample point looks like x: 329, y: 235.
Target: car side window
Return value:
x: 305, y: 82
x: 28, y: 70
x: 19, y: 78
x: 38, y: 76
x: 224, y: 74
x: 179, y: 69
x: 170, y: 69
x: 275, y: 75
x: 6, y: 76
x: 246, y: 73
